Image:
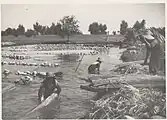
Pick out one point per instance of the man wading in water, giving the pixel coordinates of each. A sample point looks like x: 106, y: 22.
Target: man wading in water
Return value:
x: 48, y: 86
x: 154, y: 50
x: 95, y: 67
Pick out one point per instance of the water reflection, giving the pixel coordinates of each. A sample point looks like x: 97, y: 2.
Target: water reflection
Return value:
x: 69, y: 57
x: 51, y: 111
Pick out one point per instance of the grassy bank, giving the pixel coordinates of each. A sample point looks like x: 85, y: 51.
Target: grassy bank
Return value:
x: 54, y: 39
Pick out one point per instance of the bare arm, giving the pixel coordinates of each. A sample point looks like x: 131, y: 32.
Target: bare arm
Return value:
x: 148, y: 44
x: 57, y: 88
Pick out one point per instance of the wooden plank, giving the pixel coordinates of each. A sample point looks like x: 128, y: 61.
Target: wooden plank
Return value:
x: 92, y: 89
x: 146, y: 81
x: 44, y: 103
x: 133, y: 79
x: 130, y: 63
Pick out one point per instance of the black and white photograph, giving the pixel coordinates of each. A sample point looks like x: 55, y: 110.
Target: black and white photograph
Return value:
x: 83, y: 61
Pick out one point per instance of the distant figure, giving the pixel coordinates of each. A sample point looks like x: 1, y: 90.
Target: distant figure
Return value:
x: 94, y: 68
x: 48, y: 86
x: 154, y: 50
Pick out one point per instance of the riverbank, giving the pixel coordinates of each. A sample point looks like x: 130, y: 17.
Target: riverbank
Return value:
x: 54, y: 39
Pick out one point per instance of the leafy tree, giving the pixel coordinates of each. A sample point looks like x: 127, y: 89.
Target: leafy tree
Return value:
x: 37, y: 28
x: 53, y: 29
x: 123, y: 27
x: 137, y: 26
x: 8, y: 31
x: 3, y: 33
x: 20, y: 30
x: 102, y: 29
x: 96, y: 28
x: 59, y: 30
x: 143, y: 23
x: 47, y: 30
x: 114, y: 32
x: 43, y: 30
x: 69, y: 26
x: 30, y: 33
x: 14, y: 32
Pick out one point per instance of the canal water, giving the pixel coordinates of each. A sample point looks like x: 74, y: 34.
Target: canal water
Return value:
x: 73, y: 102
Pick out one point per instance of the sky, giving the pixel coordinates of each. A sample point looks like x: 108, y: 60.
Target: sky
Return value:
x: 110, y: 14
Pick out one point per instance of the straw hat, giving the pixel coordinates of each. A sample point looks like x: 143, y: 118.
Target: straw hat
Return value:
x: 148, y: 35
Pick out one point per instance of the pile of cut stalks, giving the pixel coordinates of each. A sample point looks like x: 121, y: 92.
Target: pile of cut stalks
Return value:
x: 130, y: 103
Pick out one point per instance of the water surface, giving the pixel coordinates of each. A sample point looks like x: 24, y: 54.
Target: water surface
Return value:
x: 73, y: 101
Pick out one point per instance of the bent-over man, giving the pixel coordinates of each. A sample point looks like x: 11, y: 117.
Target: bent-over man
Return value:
x: 49, y: 85
x: 94, y: 68
x: 154, y: 50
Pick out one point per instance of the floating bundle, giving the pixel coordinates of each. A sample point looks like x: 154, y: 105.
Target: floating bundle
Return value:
x: 45, y: 64
x: 18, y: 57
x: 7, y: 43
x: 63, y: 47
x: 33, y: 73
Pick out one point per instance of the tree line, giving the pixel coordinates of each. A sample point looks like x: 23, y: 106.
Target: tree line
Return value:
x: 137, y: 27
x: 69, y: 25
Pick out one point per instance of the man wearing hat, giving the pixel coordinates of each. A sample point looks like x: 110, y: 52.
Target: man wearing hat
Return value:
x: 147, y: 38
x: 48, y: 86
x: 153, y: 50
x: 95, y: 67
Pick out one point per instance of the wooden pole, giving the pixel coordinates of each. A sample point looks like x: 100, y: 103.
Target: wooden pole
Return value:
x: 79, y: 63
x: 44, y: 103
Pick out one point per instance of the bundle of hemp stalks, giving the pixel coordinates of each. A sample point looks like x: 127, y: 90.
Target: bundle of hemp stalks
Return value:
x: 131, y: 67
x: 130, y: 103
